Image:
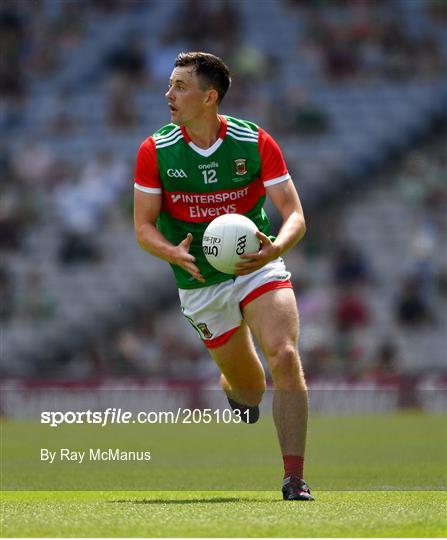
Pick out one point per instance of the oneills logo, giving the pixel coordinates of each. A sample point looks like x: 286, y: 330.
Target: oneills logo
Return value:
x: 241, y: 166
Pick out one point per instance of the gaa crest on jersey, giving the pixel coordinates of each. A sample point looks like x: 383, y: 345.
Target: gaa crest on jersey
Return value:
x: 241, y: 166
x: 204, y: 330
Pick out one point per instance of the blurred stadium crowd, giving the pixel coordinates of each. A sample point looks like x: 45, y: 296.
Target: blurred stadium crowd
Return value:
x: 355, y: 93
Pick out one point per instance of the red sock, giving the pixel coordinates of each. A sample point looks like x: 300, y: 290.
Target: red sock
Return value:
x: 293, y: 466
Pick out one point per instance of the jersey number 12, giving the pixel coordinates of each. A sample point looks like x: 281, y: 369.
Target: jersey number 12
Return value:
x: 209, y: 177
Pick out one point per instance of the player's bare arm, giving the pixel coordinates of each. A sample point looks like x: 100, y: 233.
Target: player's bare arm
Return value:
x: 285, y: 198
x: 147, y: 208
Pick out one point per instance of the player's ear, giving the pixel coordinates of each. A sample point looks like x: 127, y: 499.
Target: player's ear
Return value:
x: 211, y: 97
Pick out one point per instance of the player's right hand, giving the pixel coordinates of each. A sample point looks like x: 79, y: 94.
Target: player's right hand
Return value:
x: 183, y: 258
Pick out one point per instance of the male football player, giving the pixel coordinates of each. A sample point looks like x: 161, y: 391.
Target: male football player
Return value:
x: 190, y: 171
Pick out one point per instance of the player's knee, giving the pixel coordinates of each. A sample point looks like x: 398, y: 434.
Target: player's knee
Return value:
x: 282, y: 357
x: 247, y: 392
x: 246, y: 396
x: 253, y: 390
x: 251, y: 397
x: 261, y: 387
x: 285, y: 366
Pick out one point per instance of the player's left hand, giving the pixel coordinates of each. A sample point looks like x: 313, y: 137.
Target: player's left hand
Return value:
x: 267, y: 253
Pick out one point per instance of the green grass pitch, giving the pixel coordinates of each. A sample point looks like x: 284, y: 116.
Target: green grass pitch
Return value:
x: 223, y: 514
x: 373, y: 476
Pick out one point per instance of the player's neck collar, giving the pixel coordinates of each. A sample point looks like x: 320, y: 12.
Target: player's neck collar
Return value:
x: 206, y: 152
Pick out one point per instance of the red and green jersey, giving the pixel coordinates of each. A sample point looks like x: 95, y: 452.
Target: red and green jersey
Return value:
x: 198, y: 185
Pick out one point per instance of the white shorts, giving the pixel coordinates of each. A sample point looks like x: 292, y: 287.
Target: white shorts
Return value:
x: 216, y: 311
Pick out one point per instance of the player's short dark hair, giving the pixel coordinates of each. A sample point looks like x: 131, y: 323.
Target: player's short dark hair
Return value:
x: 210, y: 70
